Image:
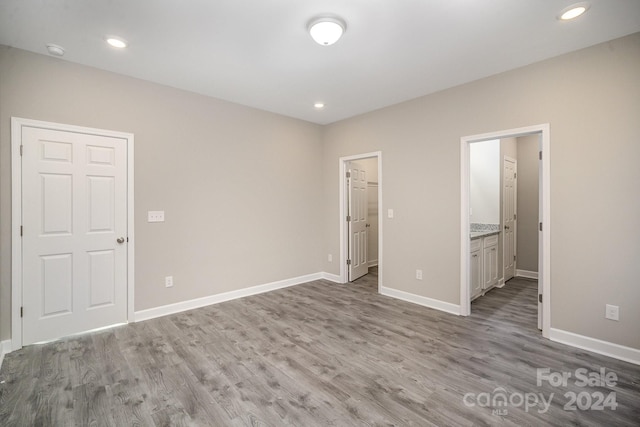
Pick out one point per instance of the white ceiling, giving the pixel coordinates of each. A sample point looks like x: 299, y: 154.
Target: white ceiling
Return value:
x: 258, y: 52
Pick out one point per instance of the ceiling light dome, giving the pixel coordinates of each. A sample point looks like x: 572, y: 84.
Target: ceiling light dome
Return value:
x: 327, y: 30
x: 116, y: 42
x: 573, y: 11
x: 55, y: 50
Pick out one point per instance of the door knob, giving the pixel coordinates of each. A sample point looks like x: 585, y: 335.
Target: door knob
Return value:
x: 506, y: 227
x: 120, y: 240
x: 368, y: 225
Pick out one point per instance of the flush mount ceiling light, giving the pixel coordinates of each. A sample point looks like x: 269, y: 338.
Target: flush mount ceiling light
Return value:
x: 318, y: 105
x: 573, y: 11
x: 116, y: 42
x: 326, y: 30
x: 55, y: 50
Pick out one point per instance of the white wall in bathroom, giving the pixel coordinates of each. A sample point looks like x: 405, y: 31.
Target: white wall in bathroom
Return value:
x: 485, y: 182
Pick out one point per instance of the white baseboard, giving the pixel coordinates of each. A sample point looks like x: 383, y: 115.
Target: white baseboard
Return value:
x: 373, y: 263
x: 178, y: 307
x: 500, y: 283
x: 424, y: 301
x: 331, y: 277
x: 527, y: 274
x: 5, y: 347
x: 628, y: 354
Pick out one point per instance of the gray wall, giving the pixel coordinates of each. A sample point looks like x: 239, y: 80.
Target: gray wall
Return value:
x: 527, y: 225
x: 243, y: 189
x: 240, y: 187
x: 591, y: 99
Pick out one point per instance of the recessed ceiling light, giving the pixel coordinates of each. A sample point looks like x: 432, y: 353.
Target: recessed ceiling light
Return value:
x: 327, y: 30
x: 573, y: 11
x: 55, y: 50
x: 116, y: 42
x: 318, y: 105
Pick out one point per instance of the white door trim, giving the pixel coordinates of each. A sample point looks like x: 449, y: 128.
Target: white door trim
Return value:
x: 544, y: 261
x: 343, y: 214
x: 16, y: 215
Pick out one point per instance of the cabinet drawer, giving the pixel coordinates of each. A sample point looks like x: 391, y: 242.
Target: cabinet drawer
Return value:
x: 476, y: 244
x: 490, y: 240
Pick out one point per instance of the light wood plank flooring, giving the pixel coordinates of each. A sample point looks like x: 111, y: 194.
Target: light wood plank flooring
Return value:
x: 315, y: 354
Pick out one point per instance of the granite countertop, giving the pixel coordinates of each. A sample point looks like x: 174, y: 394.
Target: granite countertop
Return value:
x: 478, y: 230
x: 478, y: 234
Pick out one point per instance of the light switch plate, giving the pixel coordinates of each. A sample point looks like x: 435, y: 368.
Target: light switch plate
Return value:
x: 612, y: 312
x: 155, y: 216
x: 390, y: 213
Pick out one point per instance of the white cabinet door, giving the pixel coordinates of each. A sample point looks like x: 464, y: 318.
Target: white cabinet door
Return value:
x: 476, y: 268
x: 490, y: 256
x: 476, y: 273
x: 74, y: 196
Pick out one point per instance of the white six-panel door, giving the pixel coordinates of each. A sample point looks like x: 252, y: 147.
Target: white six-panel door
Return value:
x: 358, y: 217
x: 74, y: 209
x: 509, y: 218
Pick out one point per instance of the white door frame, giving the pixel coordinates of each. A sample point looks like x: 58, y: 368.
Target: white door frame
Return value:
x: 544, y: 260
x: 344, y: 230
x: 16, y: 215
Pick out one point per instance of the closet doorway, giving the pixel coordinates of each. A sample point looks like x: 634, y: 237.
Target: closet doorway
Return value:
x: 360, y: 222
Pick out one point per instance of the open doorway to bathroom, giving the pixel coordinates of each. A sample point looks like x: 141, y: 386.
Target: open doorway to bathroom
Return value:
x: 503, y: 236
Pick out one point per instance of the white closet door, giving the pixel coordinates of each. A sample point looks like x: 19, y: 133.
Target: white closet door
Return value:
x: 358, y: 226
x: 74, y: 198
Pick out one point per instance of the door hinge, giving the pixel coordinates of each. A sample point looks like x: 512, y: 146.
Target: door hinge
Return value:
x: 515, y: 216
x: 514, y: 257
x: 348, y: 262
x: 20, y: 231
x: 348, y: 174
x: 540, y: 155
x: 21, y: 149
x: 21, y: 311
x: 348, y: 218
x: 540, y: 226
x: 540, y: 298
x: 515, y: 175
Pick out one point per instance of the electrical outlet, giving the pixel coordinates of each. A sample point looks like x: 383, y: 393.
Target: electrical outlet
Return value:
x: 168, y: 281
x: 155, y: 216
x: 330, y: 258
x: 419, y: 274
x: 612, y: 312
